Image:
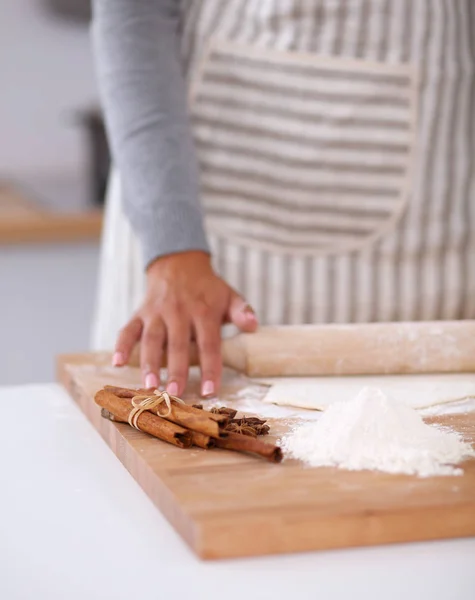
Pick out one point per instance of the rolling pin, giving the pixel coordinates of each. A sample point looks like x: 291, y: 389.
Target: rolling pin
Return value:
x: 354, y: 349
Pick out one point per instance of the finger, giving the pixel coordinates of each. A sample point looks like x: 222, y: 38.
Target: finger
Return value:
x: 178, y: 348
x: 151, y: 351
x: 241, y: 314
x: 208, y: 336
x: 128, y: 337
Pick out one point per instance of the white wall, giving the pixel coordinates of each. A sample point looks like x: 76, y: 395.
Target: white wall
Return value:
x: 46, y: 291
x: 46, y: 307
x: 46, y: 72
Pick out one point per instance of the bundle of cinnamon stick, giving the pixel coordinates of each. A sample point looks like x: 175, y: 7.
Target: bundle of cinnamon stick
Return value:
x: 186, y: 426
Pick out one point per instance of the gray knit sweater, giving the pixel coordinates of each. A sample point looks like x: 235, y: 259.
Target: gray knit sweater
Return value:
x: 143, y: 94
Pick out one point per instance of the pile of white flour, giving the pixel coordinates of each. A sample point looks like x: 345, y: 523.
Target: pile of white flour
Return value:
x: 372, y: 431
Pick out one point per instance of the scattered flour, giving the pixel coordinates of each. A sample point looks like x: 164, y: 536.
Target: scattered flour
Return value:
x: 372, y: 431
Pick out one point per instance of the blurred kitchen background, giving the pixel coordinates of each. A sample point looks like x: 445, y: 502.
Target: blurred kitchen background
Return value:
x: 53, y: 168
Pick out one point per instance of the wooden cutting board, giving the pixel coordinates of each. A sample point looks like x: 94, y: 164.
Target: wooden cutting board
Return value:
x: 225, y: 504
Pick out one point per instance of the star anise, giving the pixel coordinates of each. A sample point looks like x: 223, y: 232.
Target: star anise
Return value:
x: 251, y: 426
x: 262, y: 429
x: 229, y: 412
x: 242, y: 429
x: 252, y: 421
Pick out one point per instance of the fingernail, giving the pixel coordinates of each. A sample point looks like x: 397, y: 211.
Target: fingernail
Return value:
x: 248, y: 310
x: 207, y: 389
x: 118, y: 359
x: 172, y: 388
x: 151, y: 380
x: 249, y: 313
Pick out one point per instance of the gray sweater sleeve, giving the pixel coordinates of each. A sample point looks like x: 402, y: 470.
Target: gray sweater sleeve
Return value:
x: 144, y: 97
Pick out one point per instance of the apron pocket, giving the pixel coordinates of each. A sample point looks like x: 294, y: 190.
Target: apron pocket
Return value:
x: 300, y: 153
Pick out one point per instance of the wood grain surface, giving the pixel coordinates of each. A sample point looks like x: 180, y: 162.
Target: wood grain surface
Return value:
x: 225, y: 504
x: 22, y: 221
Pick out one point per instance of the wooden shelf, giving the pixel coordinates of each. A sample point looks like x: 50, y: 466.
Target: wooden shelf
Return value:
x: 22, y: 222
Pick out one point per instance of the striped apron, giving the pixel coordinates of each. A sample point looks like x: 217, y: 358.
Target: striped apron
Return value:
x: 336, y: 147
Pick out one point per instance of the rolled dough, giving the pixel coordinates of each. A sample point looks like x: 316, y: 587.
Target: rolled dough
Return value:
x: 417, y: 391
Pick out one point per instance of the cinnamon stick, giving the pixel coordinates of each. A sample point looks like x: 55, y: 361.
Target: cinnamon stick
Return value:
x: 198, y: 439
x: 122, y: 392
x: 197, y: 422
x: 202, y: 441
x: 210, y: 432
x: 244, y: 443
x: 222, y: 420
x: 149, y: 423
x: 182, y: 414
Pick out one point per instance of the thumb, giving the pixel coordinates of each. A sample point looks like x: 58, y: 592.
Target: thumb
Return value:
x: 241, y: 314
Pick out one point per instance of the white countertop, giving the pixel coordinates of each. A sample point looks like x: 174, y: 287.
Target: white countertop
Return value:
x: 75, y: 525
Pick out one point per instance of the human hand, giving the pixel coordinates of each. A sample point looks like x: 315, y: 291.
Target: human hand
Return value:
x: 184, y: 299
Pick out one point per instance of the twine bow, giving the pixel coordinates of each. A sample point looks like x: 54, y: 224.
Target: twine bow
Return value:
x: 143, y: 403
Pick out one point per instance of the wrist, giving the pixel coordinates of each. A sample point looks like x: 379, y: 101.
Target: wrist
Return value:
x: 178, y: 262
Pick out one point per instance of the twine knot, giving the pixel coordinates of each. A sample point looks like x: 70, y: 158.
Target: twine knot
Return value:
x: 143, y: 403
